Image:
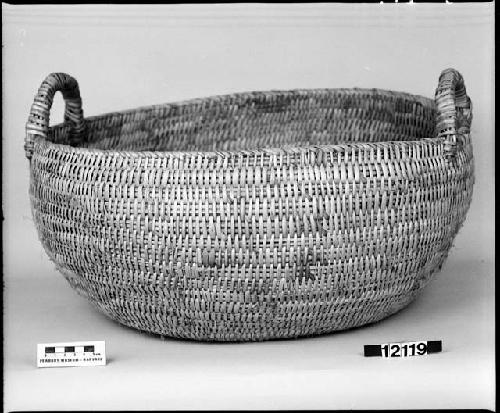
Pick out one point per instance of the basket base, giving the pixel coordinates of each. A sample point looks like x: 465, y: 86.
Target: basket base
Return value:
x: 207, y: 330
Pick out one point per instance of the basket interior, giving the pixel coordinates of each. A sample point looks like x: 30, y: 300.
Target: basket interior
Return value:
x: 254, y: 120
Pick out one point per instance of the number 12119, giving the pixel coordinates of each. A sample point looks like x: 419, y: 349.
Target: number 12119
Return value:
x: 414, y: 348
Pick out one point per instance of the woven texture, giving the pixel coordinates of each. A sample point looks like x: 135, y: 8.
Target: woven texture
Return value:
x: 252, y: 216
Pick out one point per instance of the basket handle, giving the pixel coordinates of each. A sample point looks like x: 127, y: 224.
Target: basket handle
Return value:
x: 38, y: 120
x: 454, y: 110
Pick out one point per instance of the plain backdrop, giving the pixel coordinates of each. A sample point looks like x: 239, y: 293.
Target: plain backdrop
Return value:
x: 129, y: 56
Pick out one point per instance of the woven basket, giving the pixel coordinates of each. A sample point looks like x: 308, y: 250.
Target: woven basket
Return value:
x: 252, y: 216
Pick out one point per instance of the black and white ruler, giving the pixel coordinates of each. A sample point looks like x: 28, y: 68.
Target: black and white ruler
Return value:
x: 73, y: 354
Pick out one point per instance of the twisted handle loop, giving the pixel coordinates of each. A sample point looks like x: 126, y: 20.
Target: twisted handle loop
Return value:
x: 454, y: 110
x: 38, y: 120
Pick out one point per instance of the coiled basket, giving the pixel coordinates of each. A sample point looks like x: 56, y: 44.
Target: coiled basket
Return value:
x: 252, y: 216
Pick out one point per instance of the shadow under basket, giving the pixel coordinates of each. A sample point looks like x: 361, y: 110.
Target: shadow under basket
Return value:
x: 252, y: 216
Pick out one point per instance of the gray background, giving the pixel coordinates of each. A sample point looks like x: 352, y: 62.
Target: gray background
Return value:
x: 130, y: 56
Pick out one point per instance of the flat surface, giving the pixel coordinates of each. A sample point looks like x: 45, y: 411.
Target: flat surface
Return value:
x: 125, y: 57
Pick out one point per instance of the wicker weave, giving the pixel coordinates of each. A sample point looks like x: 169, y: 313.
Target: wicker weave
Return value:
x: 252, y: 216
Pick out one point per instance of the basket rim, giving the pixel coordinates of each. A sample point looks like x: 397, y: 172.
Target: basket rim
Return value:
x: 286, y: 149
